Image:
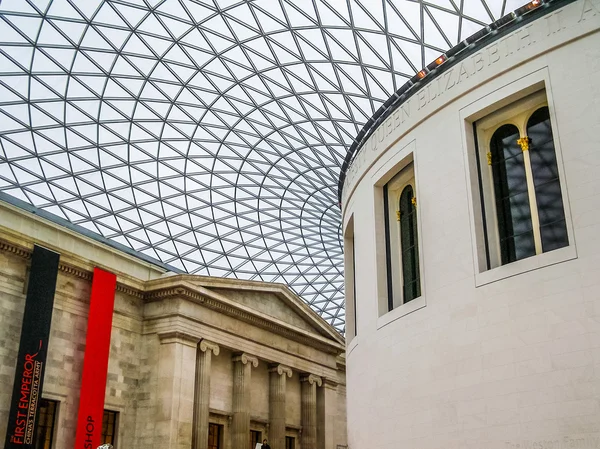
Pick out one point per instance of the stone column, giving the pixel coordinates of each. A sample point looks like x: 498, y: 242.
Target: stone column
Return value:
x: 202, y: 393
x: 240, y: 424
x: 175, y: 406
x: 326, y: 414
x: 277, y: 393
x: 309, y: 410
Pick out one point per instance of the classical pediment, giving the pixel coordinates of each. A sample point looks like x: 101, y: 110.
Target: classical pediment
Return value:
x: 266, y: 305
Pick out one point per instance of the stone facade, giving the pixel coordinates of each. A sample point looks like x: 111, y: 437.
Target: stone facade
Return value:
x: 185, y: 351
x: 504, y: 357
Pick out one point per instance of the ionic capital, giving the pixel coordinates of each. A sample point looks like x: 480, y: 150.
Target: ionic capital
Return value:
x: 206, y: 345
x: 281, y: 370
x: 312, y: 379
x: 245, y: 359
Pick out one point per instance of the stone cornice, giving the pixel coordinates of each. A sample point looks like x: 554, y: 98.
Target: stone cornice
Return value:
x: 68, y: 268
x: 214, y: 301
x: 178, y: 337
x: 20, y: 251
x: 324, y: 337
x: 330, y: 383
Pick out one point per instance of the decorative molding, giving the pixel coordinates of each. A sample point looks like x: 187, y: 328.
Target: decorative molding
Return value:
x: 217, y: 412
x: 75, y: 271
x: 226, y: 309
x: 17, y: 250
x: 282, y: 291
x: 186, y: 292
x: 245, y: 359
x: 168, y: 337
x: 67, y: 268
x: 206, y: 345
x: 312, y: 379
x: 281, y: 370
x: 130, y: 291
x: 256, y: 420
x: 330, y: 383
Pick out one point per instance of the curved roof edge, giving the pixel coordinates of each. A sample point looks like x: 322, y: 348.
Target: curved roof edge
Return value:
x: 510, y: 22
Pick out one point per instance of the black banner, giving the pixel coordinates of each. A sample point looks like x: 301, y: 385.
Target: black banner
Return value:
x: 33, y: 349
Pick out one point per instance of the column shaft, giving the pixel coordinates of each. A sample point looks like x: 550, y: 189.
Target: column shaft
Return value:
x: 277, y: 394
x: 309, y: 411
x: 202, y: 393
x: 240, y: 424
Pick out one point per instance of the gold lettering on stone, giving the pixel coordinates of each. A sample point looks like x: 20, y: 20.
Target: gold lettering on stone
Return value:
x: 587, y: 8
x: 388, y: 126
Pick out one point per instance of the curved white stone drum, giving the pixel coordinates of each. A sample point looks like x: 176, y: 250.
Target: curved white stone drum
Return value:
x: 471, y: 220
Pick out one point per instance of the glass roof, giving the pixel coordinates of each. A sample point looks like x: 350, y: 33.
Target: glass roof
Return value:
x: 209, y: 134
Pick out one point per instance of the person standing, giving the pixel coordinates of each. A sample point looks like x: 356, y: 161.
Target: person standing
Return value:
x: 265, y: 445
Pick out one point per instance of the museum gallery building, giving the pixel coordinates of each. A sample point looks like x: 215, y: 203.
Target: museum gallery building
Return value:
x: 471, y: 219
x: 104, y: 347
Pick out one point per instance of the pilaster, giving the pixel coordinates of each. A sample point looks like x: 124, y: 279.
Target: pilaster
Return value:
x: 175, y: 407
x: 326, y: 412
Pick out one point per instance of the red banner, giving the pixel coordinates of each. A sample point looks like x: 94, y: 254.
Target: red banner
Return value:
x: 95, y: 361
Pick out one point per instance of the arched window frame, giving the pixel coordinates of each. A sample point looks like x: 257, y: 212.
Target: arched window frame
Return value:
x: 517, y: 114
x: 395, y: 269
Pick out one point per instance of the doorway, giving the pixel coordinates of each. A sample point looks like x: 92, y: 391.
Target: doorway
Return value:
x: 255, y: 437
x: 290, y: 443
x: 214, y: 436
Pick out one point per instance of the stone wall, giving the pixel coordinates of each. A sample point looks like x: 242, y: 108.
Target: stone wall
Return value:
x: 499, y: 358
x: 155, y: 334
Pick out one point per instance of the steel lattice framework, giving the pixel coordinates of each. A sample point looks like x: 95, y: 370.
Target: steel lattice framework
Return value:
x: 208, y: 134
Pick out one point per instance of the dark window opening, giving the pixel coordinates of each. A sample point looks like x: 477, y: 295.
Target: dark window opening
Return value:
x: 44, y: 434
x: 409, y: 243
x: 255, y: 437
x: 553, y: 228
x: 515, y: 228
x: 109, y: 427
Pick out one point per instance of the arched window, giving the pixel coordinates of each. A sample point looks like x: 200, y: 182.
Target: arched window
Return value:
x: 515, y: 229
x: 409, y: 245
x: 553, y: 229
x: 520, y: 190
